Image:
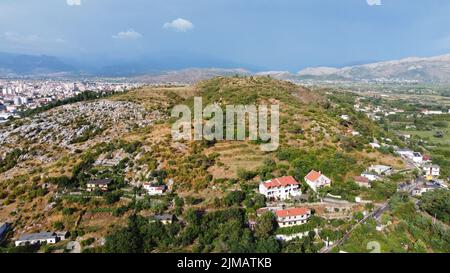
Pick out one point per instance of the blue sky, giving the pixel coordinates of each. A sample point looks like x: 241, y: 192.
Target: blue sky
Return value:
x: 261, y: 34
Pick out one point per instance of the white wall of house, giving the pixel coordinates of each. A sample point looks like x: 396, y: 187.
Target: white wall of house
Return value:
x: 281, y: 192
x: 290, y: 221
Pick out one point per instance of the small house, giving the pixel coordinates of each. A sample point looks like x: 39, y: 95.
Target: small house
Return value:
x: 292, y: 216
x: 317, y: 180
x: 101, y: 184
x: 164, y: 218
x: 362, y: 181
x: 37, y: 238
x: 380, y: 169
x: 154, y: 190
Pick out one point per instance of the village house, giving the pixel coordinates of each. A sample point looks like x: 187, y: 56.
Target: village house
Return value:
x: 417, y: 158
x: 371, y: 176
x: 317, y: 180
x: 154, y: 190
x: 380, y: 169
x: 362, y: 181
x: 431, y: 112
x: 432, y: 170
x: 101, y: 184
x: 292, y: 216
x: 405, y: 153
x: 280, y: 188
x: 37, y: 238
x: 421, y: 189
x: 165, y: 219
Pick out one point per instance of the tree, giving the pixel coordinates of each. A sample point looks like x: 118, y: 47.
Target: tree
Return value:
x: 126, y: 240
x: 269, y: 245
x: 436, y: 203
x: 234, y: 198
x: 265, y: 225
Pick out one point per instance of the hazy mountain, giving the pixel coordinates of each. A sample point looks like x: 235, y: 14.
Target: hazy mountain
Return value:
x: 190, y: 75
x: 21, y: 64
x: 432, y: 69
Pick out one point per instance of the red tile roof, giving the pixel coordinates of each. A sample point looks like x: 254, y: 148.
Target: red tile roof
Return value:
x: 313, y: 175
x: 292, y: 212
x: 361, y: 179
x: 280, y: 182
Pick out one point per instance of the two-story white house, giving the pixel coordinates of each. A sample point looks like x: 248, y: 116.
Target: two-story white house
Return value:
x: 317, y: 180
x: 292, y: 216
x: 432, y: 170
x: 280, y: 188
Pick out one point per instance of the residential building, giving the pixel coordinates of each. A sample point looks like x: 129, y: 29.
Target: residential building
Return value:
x: 154, y: 190
x: 292, y: 216
x: 37, y: 238
x: 421, y: 189
x: 371, y: 176
x: 280, y: 188
x: 380, y: 169
x: 164, y: 218
x: 101, y: 184
x: 362, y: 181
x: 417, y: 158
x: 405, y: 153
x: 432, y: 170
x: 317, y: 180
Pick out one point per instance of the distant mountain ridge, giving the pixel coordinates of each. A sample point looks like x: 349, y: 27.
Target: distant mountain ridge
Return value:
x: 178, y: 70
x: 22, y: 64
x: 432, y: 69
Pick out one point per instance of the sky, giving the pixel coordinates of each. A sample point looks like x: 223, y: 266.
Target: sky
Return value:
x: 258, y: 34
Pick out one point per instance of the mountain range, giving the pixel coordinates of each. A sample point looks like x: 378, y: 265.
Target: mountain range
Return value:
x: 432, y: 69
x: 190, y: 69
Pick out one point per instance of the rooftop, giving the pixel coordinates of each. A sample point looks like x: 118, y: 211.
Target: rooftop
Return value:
x: 280, y: 182
x: 292, y: 212
x: 37, y: 236
x: 313, y: 175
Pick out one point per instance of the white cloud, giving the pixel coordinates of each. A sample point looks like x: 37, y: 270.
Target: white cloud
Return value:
x: 180, y: 25
x: 15, y: 37
x: 130, y: 34
x: 374, y: 2
x: 73, y: 2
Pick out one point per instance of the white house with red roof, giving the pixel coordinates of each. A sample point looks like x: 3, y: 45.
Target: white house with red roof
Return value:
x: 317, y: 180
x: 154, y: 190
x: 292, y: 216
x: 280, y: 188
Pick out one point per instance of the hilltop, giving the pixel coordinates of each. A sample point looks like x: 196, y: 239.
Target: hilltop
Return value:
x: 48, y: 158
